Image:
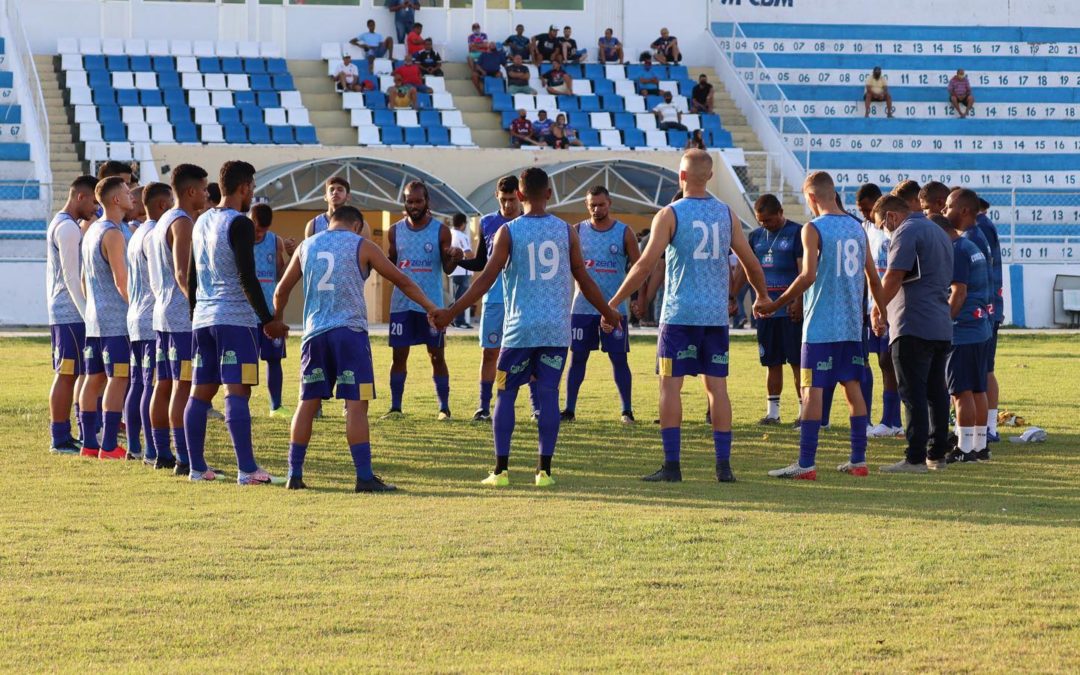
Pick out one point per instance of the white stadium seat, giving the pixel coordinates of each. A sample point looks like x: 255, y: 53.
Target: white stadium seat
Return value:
x: 226, y: 48
x: 600, y: 120
x: 398, y: 52
x: 691, y: 122
x: 382, y: 67
x: 71, y: 62
x: 221, y: 99
x: 611, y: 138
x: 205, y: 116
x: 615, y: 73
x: 66, y: 46
x: 139, y: 132
x: 76, y: 79
x: 407, y: 118
x: 442, y: 101
x: 275, y: 117
x: 361, y: 118
x: 248, y: 49
x: 112, y: 46
x: 645, y: 121
x: 146, y: 81
x: 157, y: 47
x: 214, y: 81
x: 89, y: 132
x: 143, y: 153
x: 121, y: 152
x: 634, y: 103
x: 181, y: 48
x: 162, y: 133
x: 199, y: 99
x: 546, y: 102
x: 187, y: 64
x: 654, y: 138
x: 681, y: 104
x: 203, y: 48
x: 192, y: 81
x: 625, y: 88
x: 291, y: 99
x: 131, y: 114
x: 461, y: 136
x: 452, y: 118
x: 157, y: 115
x: 81, y: 96
x: 350, y: 100
x: 135, y: 47
x: 123, y: 80
x: 211, y: 133
x: 435, y: 83
x: 524, y: 101
x: 368, y: 136
x: 97, y: 152
x: 238, y: 82
x: 385, y: 82
x: 582, y: 88
x: 85, y: 113
x: 298, y: 117
x: 269, y: 50
x: 89, y: 45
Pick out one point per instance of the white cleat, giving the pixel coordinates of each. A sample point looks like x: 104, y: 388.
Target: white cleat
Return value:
x: 880, y: 431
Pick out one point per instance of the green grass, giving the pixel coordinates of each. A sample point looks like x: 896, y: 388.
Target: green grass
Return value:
x: 111, y: 566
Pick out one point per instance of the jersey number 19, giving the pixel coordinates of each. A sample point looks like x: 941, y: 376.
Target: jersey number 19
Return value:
x: 547, y: 255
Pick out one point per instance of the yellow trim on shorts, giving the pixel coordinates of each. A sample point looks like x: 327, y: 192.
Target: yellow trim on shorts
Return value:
x: 367, y: 391
x: 249, y: 373
x: 67, y: 367
x: 666, y: 366
x: 121, y: 370
x: 806, y: 377
x: 500, y: 380
x: 185, y: 371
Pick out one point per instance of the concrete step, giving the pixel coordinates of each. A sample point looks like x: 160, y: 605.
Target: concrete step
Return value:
x: 461, y: 88
x: 338, y: 136
x: 488, y: 138
x: 478, y: 121
x: 306, y: 67
x: 472, y: 104
x: 330, y: 119
x: 456, y: 71
x: 60, y: 150
x: 320, y: 101
x: 67, y: 166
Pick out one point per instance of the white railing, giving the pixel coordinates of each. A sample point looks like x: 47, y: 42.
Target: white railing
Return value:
x: 35, y: 119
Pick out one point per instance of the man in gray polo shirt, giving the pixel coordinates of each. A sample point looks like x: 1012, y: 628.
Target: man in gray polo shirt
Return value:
x: 916, y: 287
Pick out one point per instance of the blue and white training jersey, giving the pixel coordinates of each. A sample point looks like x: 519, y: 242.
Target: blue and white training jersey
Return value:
x: 333, y: 283
x: 975, y: 236
x: 62, y: 308
x: 319, y: 223
x: 172, y: 313
x: 220, y: 299
x: 833, y: 306
x: 106, y: 311
x: 266, y: 267
x: 419, y: 258
x: 489, y: 225
x: 538, y: 283
x: 697, y: 273
x: 997, y: 299
x: 605, y: 260
x: 779, y: 254
x: 970, y: 267
x: 140, y: 312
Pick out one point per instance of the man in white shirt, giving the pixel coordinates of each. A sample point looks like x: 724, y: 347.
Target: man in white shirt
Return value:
x: 668, y: 115
x: 459, y: 278
x: 347, y: 75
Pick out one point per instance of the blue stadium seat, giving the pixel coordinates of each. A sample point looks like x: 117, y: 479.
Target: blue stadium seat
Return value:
x: 244, y: 98
x: 104, y: 96
x: 249, y: 114
x: 10, y: 114
x: 232, y: 65
x: 718, y: 138
x: 677, y: 139
x: 15, y: 152
x: 500, y: 102
x: 168, y: 81
x: 260, y: 83
x: 653, y: 101
x: 175, y: 98
x: 141, y: 64
x: 179, y: 114
x: 108, y: 113
x: 267, y: 99
x: 423, y: 101
x: 282, y: 135
x: 590, y: 138
x: 384, y: 118
x: 185, y: 132
x: 589, y: 103
x: 284, y: 82
x: 99, y: 79
x: 415, y: 136
x: 494, y: 85
x: 438, y: 135
x: 635, y: 70
x: 678, y: 72
x: 579, y: 120
x: 150, y: 97
x: 391, y: 135
x: 235, y: 133
x: 277, y: 66
x: 612, y: 103
x: 306, y: 135
x: 164, y: 64
x: 117, y: 63
x: 259, y: 133
x: 112, y: 132
x: 568, y: 103
x: 574, y: 69
x: 209, y: 64
x: 508, y: 117
x: 624, y: 121
x: 228, y: 116
x: 634, y: 138
x: 594, y: 71
x: 710, y: 121
x: 374, y: 100
x: 127, y: 97
x: 252, y: 66
x: 93, y: 62
x: 430, y: 118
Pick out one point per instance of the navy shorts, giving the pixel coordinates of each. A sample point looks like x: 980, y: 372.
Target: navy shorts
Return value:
x: 142, y: 361
x: 68, y: 342
x: 826, y: 364
x: 270, y: 349
x: 412, y: 328
x: 518, y: 365
x: 692, y: 350
x: 109, y: 355
x: 588, y: 336
x: 877, y: 345
x: 491, y: 325
x: 779, y: 339
x: 174, y: 356
x: 991, y: 347
x: 226, y: 355
x: 965, y: 369
x: 337, y: 363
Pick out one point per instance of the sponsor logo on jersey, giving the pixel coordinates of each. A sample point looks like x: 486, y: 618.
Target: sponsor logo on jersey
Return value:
x: 825, y: 365
x: 720, y: 359
x: 613, y: 249
x: 520, y: 367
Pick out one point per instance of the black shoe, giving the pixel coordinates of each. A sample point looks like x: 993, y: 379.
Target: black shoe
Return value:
x: 376, y: 484
x: 954, y: 456
x: 982, y: 455
x: 165, y: 463
x: 181, y: 469
x: 668, y: 473
x: 295, y: 484
x: 566, y: 416
x: 481, y: 415
x: 656, y: 421
x: 724, y: 473
x: 132, y: 457
x: 628, y: 417
x: 68, y: 447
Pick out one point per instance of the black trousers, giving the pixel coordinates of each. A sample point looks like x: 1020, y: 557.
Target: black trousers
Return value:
x: 920, y: 376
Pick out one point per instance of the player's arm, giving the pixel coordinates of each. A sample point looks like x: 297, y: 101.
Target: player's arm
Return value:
x: 309, y: 228
x: 242, y: 243
x: 371, y: 257
x: 67, y: 239
x: 660, y: 233
x: 112, y: 247
x: 279, y: 268
x: 957, y: 296
x: 288, y: 280
x: 811, y: 243
x: 478, y: 261
x: 391, y: 245
x: 874, y: 282
x: 450, y: 254
x: 587, y: 285
x: 183, y: 263
x: 748, y: 260
x: 500, y: 254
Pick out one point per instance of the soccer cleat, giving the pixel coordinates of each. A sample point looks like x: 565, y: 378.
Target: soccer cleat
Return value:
x: 938, y: 464
x: 993, y: 438
x: 115, y: 453
x: 501, y: 479
x: 982, y: 455
x: 854, y: 469
x: 392, y: 414
x: 214, y: 414
x: 132, y: 457
x: 544, y: 479
x: 444, y: 415
x: 165, y: 463
x: 535, y: 416
x: 68, y: 447
x: 795, y: 472
x: 197, y: 476
x: 880, y: 431
x: 566, y: 416
x: 257, y: 477
x: 374, y: 484
x: 903, y: 466
x: 181, y: 469
x: 768, y: 421
x: 295, y: 484
x: 481, y: 415
x: 724, y: 474
x: 796, y: 424
x: 281, y: 411
x: 628, y: 417
x: 149, y: 461
x: 90, y: 452
x: 668, y: 473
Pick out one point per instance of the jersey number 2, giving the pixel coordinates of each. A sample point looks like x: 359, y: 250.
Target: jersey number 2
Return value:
x: 324, y: 283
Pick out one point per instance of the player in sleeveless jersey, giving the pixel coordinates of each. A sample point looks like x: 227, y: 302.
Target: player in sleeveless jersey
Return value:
x: 609, y: 247
x: 538, y: 257
x: 228, y: 306
x: 835, y: 262
x: 66, y: 305
x: 107, y: 353
x: 269, y: 265
x: 337, y: 191
x: 335, y: 350
x: 421, y: 248
x: 694, y: 235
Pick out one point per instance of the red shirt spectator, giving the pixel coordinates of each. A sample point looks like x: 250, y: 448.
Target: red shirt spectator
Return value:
x: 521, y: 126
x: 959, y: 86
x: 410, y: 73
x: 414, y: 41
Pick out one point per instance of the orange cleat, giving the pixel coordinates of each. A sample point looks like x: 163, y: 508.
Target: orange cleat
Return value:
x: 115, y: 453
x: 90, y: 452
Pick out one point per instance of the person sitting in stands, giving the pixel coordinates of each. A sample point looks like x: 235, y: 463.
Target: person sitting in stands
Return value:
x: 477, y: 44
x: 667, y: 115
x: 414, y: 39
x: 521, y: 131
x: 429, y: 60
x: 542, y: 128
x: 877, y: 89
x: 518, y: 44
x: 960, y: 93
x: 401, y: 96
x: 558, y: 81
x: 568, y: 133
x: 608, y: 48
x: 696, y: 141
x: 568, y: 47
x: 375, y: 46
x: 545, y: 46
x: 411, y: 75
x: 488, y: 63
x: 648, y: 83
x: 666, y: 47
x: 517, y: 77
x: 347, y: 76
x: 701, y: 98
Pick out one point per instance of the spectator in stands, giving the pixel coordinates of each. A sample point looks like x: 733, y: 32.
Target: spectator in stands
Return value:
x: 666, y: 47
x: 568, y: 133
x: 429, y: 60
x: 375, y: 46
x: 545, y: 46
x: 648, y: 83
x: 401, y: 96
x: 488, y: 63
x: 404, y: 16
x: 668, y: 116
x: 411, y: 75
x: 568, y: 47
x: 517, y: 77
x: 701, y: 98
x: 542, y: 128
x: 558, y: 81
x: 521, y: 131
x: 557, y: 136
x: 608, y: 48
x: 960, y: 93
x: 696, y: 141
x: 347, y: 75
x: 518, y: 44
x: 414, y: 40
x: 477, y: 44
x: 877, y: 89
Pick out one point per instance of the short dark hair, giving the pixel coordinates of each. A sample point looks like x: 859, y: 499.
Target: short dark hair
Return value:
x: 507, y: 184
x: 418, y: 25
x: 597, y: 190
x: 184, y: 175
x: 263, y: 215
x: 154, y: 191
x: 966, y: 199
x: 534, y: 181
x: 459, y: 219
x: 347, y: 215
x: 768, y: 204
x: 84, y: 183
x: 907, y: 190
x: 106, y: 187
x: 113, y: 168
x: 890, y: 203
x: 214, y: 192
x: 416, y: 185
x: 337, y: 180
x: 933, y: 191
x: 234, y: 175
x: 983, y: 204
x: 868, y: 191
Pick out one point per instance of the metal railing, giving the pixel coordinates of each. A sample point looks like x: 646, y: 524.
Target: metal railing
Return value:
x: 27, y: 81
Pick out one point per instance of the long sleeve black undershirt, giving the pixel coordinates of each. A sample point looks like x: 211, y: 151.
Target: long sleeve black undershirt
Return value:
x: 242, y: 242
x: 477, y: 263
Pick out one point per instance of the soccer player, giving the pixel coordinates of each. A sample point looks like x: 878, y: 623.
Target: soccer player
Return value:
x: 997, y: 315
x: 228, y: 305
x: 157, y: 199
x: 694, y: 234
x: 421, y: 248
x: 168, y: 261
x: 107, y: 351
x: 538, y: 256
x: 335, y: 350
x: 835, y: 262
x: 777, y: 244
x: 336, y: 194
x: 269, y: 264
x: 969, y: 299
x: 67, y: 305
x: 608, y: 247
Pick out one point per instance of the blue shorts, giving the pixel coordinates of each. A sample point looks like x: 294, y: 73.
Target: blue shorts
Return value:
x: 142, y: 361
x: 226, y: 355
x: 491, y: 325
x: 270, y: 349
x: 588, y: 336
x: 412, y: 328
x: 826, y: 364
x: 965, y: 369
x: 68, y: 342
x: 991, y: 347
x: 518, y: 365
x: 779, y: 339
x: 337, y: 363
x: 877, y: 345
x: 692, y: 350
x: 174, y: 356
x: 109, y: 355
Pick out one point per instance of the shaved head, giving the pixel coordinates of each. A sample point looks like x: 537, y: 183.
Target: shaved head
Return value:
x: 820, y: 184
x: 696, y: 167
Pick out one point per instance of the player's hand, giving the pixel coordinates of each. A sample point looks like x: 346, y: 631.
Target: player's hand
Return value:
x: 638, y: 307
x: 275, y: 329
x: 440, y: 319
x: 611, y: 320
x: 764, y: 308
x: 878, y: 321
x: 795, y: 311
x: 454, y: 253
x: 732, y: 306
x: 290, y: 244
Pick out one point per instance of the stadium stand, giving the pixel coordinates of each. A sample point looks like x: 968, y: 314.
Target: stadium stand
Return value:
x: 20, y: 192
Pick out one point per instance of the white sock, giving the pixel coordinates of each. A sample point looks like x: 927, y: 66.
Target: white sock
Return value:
x: 967, y: 439
x: 980, y: 438
x: 773, y: 410
x: 991, y: 421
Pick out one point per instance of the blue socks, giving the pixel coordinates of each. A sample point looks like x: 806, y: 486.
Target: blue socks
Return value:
x: 623, y: 379
x: 132, y: 415
x: 503, y: 421
x: 89, y: 427
x: 575, y: 375
x: 442, y: 391
x: 672, y: 440
x: 808, y: 442
x: 485, y: 395
x: 61, y: 433
x: 722, y: 444
x: 194, y: 432
x: 858, y: 438
x: 533, y: 401
x: 110, y: 434
x: 161, y: 443
x: 361, y: 457
x: 867, y: 385
x: 548, y: 422
x: 144, y: 412
x: 274, y: 382
x: 238, y: 422
x: 397, y: 388
x: 826, y: 404
x: 890, y: 415
x: 180, y: 439
x: 297, y: 452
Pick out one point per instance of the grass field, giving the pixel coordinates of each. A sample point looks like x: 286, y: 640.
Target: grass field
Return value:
x: 111, y: 566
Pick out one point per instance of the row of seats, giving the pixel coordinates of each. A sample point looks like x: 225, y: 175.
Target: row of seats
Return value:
x: 141, y: 47
x: 247, y: 114
x: 105, y: 80
x: 173, y: 64
x: 418, y: 136
x: 169, y: 98
x: 587, y: 104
